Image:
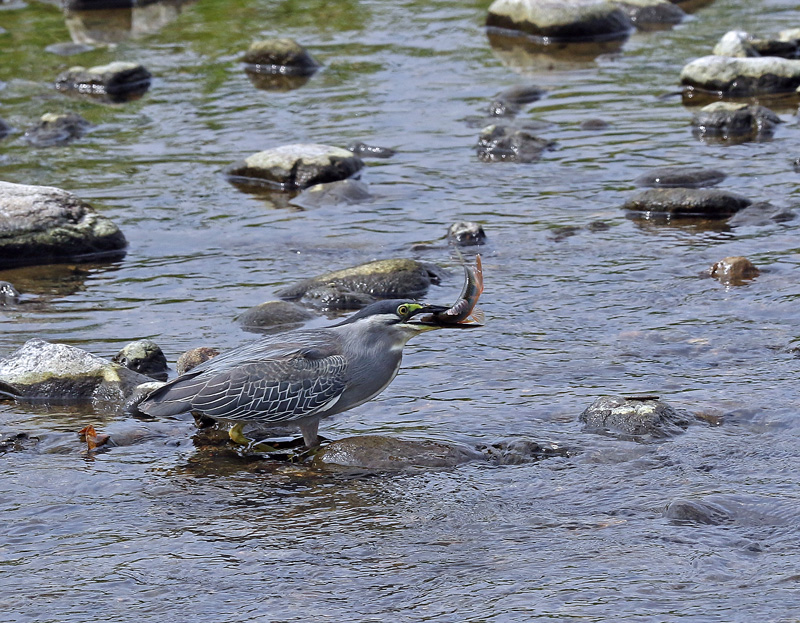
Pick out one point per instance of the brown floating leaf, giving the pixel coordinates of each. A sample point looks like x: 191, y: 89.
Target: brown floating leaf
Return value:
x: 92, y: 438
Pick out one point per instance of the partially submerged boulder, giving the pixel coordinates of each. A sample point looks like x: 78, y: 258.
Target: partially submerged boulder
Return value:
x: 144, y: 357
x: 734, y: 122
x: 193, y: 358
x: 510, y: 102
x: 466, y: 234
x: 5, y: 129
x: 294, y: 167
x: 357, y: 286
x: 56, y: 129
x: 342, y: 192
x: 58, y: 373
x: 680, y: 177
x: 274, y: 315
x: 116, y: 82
x: 702, y: 202
x: 8, y: 294
x: 631, y: 417
x: 734, y: 271
x: 41, y: 225
x: 360, y: 148
x: 651, y: 14
x: 561, y: 20
x: 501, y: 143
x: 740, y: 44
x: 278, y: 64
x: 741, y: 77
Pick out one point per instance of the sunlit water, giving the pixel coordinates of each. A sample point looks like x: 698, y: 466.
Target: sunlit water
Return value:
x: 160, y: 529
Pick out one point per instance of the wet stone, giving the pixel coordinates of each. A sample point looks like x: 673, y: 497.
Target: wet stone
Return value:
x: 520, y: 451
x: 370, y: 151
x: 708, y: 203
x: 343, y: 192
x: 5, y: 129
x: 56, y: 129
x: 634, y: 417
x: 740, y: 44
x: 564, y: 20
x: 510, y: 102
x: 144, y: 357
x: 594, y: 124
x: 355, y: 287
x: 41, y: 225
x: 279, y: 56
x: 193, y: 358
x: 499, y: 143
x: 274, y: 315
x: 466, y: 234
x: 17, y: 442
x: 294, y: 167
x: 59, y: 373
x: 651, y: 14
x: 741, y: 76
x: 116, y: 82
x: 734, y: 271
x: 379, y: 453
x: 685, y: 512
x: 736, y: 122
x: 680, y: 177
x: 761, y: 214
x: 796, y: 165
x: 8, y: 294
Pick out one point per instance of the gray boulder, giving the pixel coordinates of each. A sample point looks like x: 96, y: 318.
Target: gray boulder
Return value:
x: 9, y: 295
x: 680, y: 177
x: 741, y: 77
x: 501, y: 143
x: 702, y: 202
x: 116, y: 82
x: 651, y: 14
x: 740, y: 44
x: 357, y: 286
x: 58, y: 373
x: 274, y: 315
x: 734, y: 122
x: 278, y: 64
x: 466, y: 234
x: 56, y: 129
x: 294, y: 167
x: 41, y: 225
x: 144, y: 357
x: 637, y: 418
x: 562, y: 20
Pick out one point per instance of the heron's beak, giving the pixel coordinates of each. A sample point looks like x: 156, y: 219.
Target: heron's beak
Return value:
x: 425, y: 316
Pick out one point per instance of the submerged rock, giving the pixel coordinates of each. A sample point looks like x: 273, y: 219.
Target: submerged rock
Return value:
x: 8, y: 294
x: 499, y: 143
x: 144, y: 357
x: 343, y: 192
x: 370, y: 151
x: 734, y: 271
x: 520, y: 451
x: 594, y: 124
x: 193, y: 358
x: 509, y: 102
x: 116, y: 82
x: 761, y: 214
x: 735, y: 122
x: 740, y: 77
x: 651, y: 14
x: 680, y: 177
x: 5, y: 129
x: 466, y: 234
x: 697, y: 512
x: 56, y: 129
x: 634, y: 417
x: 278, y: 64
x: 274, y: 314
x: 41, y: 225
x: 379, y: 453
x: 294, y: 167
x: 48, y: 372
x: 708, y: 203
x: 562, y: 20
x: 355, y: 287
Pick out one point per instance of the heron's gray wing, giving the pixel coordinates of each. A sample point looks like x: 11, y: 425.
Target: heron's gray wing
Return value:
x: 288, y: 387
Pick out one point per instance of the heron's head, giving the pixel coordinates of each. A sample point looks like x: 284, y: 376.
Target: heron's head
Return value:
x: 396, y: 313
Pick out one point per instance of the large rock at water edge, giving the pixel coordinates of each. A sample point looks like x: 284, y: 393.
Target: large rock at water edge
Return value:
x: 634, y: 417
x: 297, y: 166
x: 741, y: 77
x: 116, y: 82
x: 41, y: 225
x: 564, y: 20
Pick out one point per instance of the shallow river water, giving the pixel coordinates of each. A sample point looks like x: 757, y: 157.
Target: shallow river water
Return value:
x: 161, y: 529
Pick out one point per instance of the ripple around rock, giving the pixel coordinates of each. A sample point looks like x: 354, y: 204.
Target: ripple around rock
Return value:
x: 56, y: 129
x: 685, y: 512
x: 690, y: 202
x: 41, y: 225
x: 115, y: 83
x: 632, y: 417
x: 680, y: 177
x: 740, y: 77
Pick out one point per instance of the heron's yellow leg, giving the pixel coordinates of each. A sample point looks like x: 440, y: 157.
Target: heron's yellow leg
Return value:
x: 237, y: 435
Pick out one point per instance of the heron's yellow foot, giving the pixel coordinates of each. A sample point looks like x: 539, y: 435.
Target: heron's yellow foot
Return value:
x: 236, y: 433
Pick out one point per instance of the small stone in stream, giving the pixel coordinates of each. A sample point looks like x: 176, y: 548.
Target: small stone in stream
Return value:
x: 144, y: 357
x: 193, y: 358
x: 370, y: 151
x: 56, y: 129
x: 734, y: 271
x: 466, y: 234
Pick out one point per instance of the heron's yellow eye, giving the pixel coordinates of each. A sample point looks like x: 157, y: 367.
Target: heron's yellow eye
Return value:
x: 402, y: 310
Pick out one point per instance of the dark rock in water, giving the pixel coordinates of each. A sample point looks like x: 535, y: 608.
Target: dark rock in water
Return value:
x: 734, y: 271
x: 355, y: 287
x: 17, y: 442
x: 651, y: 14
x: 557, y: 234
x: 8, y: 294
x: 58, y: 373
x: 370, y: 151
x: 68, y: 48
x: 796, y: 165
x: 680, y: 177
x: 278, y: 64
x: 761, y: 214
x: 379, y: 453
x: 634, y: 417
x: 562, y: 20
x: 734, y: 122
x: 740, y: 77
x: 144, y: 357
x: 5, y: 129
x: 116, y: 82
x: 274, y: 315
x: 498, y: 143
x: 509, y: 102
x: 708, y: 203
x: 41, y: 225
x: 193, y: 358
x: 294, y: 167
x: 685, y: 512
x: 343, y: 192
x: 466, y: 234
x: 594, y: 124
x: 520, y: 451
x: 54, y: 129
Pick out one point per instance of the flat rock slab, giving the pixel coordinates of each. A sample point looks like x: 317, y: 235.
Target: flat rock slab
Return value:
x: 357, y: 286
x: 565, y: 20
x: 116, y: 82
x: 680, y: 177
x: 42, y: 225
x: 742, y: 76
x: 636, y: 418
x: 58, y: 373
x: 294, y: 167
x: 704, y: 202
